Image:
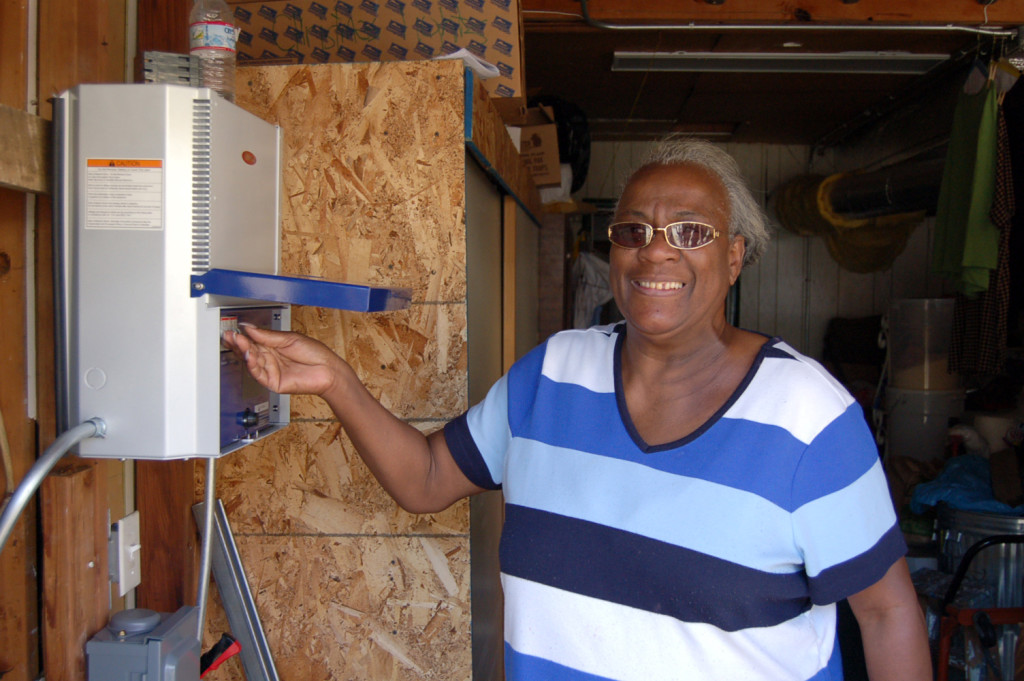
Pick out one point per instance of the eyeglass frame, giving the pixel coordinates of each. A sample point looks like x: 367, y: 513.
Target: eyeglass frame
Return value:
x: 651, y: 230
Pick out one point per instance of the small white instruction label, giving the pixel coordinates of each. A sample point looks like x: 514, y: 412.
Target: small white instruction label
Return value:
x: 124, y: 194
x: 228, y: 323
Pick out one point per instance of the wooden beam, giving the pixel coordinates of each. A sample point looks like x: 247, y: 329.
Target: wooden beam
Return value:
x: 960, y: 12
x: 76, y: 579
x: 24, y: 151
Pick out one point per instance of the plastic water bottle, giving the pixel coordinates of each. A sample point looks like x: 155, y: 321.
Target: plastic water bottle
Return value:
x: 212, y: 40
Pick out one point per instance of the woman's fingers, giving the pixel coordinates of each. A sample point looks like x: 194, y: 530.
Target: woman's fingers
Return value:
x: 285, y: 362
x: 251, y: 353
x: 267, y: 337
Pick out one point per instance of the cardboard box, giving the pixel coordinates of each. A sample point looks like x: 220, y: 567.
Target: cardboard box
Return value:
x: 331, y: 31
x: 535, y: 135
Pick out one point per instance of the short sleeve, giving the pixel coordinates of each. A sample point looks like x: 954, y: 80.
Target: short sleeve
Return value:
x: 479, y: 439
x: 844, y: 523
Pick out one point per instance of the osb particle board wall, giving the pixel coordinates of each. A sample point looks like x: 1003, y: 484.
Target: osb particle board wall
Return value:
x: 348, y: 585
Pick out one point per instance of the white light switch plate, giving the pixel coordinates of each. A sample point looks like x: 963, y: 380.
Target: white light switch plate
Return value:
x: 125, y: 535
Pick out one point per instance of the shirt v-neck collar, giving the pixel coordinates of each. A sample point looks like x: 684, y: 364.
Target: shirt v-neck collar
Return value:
x: 627, y: 420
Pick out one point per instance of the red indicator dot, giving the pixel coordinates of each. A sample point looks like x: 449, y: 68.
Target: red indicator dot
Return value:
x: 249, y: 157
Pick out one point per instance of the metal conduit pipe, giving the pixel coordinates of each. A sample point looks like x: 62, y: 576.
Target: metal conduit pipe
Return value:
x: 94, y: 427
x: 939, y: 28
x: 206, y: 552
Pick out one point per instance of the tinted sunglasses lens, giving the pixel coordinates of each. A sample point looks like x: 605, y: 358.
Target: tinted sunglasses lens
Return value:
x: 629, y: 234
x: 690, y: 234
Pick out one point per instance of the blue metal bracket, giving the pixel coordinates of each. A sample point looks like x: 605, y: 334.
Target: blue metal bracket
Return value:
x: 300, y: 291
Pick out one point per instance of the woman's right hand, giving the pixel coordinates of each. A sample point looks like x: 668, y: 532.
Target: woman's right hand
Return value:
x: 419, y: 472
x: 286, y: 362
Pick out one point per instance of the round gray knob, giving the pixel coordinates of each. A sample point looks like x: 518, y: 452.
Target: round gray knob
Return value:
x: 134, y: 621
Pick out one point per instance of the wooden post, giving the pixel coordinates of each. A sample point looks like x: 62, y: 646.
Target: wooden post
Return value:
x: 164, y: 489
x: 165, y: 494
x: 76, y: 578
x: 78, y: 42
x: 19, y: 614
x: 18, y: 566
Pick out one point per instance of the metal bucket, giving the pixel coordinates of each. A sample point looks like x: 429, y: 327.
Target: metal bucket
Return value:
x: 1001, y: 566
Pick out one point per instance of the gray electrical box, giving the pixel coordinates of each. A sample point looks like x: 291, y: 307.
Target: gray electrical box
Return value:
x: 143, y: 644
x: 157, y: 183
x: 167, y: 204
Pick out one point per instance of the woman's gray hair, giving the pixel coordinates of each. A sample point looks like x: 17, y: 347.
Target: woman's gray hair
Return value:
x: 746, y: 216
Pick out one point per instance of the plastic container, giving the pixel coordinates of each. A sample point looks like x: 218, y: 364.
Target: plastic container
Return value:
x: 918, y: 421
x: 920, y: 332
x: 212, y: 40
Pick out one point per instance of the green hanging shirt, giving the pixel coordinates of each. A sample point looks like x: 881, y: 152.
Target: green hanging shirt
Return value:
x: 966, y: 244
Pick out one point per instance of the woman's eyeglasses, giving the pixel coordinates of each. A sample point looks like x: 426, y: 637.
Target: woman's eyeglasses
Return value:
x: 686, y: 236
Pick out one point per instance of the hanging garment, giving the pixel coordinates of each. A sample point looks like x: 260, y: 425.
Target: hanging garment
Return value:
x: 1013, y: 112
x: 592, y: 289
x: 966, y: 245
x: 980, y: 322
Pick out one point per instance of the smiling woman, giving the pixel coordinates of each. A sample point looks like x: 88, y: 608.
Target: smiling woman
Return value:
x: 689, y: 384
x: 673, y: 485
x: 659, y: 287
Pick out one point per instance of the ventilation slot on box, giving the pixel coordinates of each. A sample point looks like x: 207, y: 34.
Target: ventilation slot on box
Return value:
x: 200, y: 186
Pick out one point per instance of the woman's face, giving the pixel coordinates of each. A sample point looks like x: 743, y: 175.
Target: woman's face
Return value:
x: 661, y: 290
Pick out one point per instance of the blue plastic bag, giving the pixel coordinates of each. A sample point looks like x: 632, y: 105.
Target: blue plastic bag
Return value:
x: 965, y: 484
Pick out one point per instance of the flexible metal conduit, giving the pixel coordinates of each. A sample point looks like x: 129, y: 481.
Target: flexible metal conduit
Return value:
x: 895, y: 189
x: 94, y: 427
x: 804, y: 26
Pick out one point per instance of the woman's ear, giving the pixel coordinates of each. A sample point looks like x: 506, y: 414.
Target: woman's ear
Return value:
x: 737, y: 251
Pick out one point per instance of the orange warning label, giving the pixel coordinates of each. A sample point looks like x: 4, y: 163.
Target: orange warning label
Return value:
x: 124, y: 194
x: 124, y: 163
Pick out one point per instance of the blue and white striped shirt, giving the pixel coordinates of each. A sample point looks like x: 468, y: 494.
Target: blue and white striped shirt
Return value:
x: 719, y: 556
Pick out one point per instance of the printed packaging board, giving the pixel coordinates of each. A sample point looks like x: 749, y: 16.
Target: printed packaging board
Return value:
x: 333, y: 31
x: 535, y: 134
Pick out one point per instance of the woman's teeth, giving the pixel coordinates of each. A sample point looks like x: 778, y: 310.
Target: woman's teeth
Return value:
x: 660, y: 285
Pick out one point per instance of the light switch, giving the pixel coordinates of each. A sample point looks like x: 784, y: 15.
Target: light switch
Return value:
x: 125, y: 558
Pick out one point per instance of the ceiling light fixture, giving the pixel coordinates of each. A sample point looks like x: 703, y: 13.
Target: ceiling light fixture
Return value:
x: 610, y: 128
x: 899, y: 63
